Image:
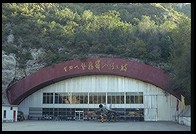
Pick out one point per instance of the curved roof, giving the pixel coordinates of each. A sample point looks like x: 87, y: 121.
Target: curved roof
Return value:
x: 114, y: 66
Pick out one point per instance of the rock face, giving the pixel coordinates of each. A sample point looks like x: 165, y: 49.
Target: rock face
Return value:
x: 33, y: 65
x: 8, y: 72
x: 12, y: 73
x: 11, y: 68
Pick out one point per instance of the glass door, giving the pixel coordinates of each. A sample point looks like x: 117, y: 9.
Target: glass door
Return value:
x: 79, y: 115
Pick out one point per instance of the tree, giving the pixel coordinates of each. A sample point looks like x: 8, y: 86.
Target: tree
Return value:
x: 181, y: 57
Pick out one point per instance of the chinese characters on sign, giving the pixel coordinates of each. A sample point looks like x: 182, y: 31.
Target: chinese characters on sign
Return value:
x: 97, y: 65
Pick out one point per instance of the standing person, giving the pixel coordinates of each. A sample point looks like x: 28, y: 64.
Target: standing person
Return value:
x: 101, y: 118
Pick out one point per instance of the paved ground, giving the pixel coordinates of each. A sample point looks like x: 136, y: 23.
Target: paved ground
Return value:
x: 92, y: 126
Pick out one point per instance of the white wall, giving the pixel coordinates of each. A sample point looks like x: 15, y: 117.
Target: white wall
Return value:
x: 157, y: 105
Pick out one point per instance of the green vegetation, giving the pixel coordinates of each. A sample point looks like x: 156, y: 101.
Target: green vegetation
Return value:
x: 156, y: 33
x: 20, y: 116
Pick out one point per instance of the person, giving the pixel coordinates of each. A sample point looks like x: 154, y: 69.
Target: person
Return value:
x: 101, y: 118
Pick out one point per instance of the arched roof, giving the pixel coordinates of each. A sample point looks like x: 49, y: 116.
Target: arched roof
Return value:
x: 114, y: 66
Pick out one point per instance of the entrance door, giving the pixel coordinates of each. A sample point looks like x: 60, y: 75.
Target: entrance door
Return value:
x: 79, y: 115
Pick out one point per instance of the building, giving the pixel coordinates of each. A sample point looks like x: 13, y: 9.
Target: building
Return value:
x: 74, y: 89
x: 9, y: 113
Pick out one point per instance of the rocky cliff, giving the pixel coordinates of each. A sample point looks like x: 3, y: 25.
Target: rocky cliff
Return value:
x: 11, y: 71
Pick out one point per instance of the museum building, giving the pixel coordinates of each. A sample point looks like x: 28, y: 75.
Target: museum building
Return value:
x: 74, y: 89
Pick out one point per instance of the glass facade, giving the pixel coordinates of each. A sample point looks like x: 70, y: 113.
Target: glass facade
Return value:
x: 134, y: 114
x: 71, y: 98
x: 94, y: 98
x: 88, y: 98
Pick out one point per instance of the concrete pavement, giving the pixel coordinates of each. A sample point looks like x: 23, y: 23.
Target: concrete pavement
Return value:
x: 32, y: 125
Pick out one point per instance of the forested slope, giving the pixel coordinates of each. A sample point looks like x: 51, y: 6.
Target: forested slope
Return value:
x: 36, y: 35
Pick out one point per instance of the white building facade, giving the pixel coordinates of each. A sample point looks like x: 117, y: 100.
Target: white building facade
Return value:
x: 9, y: 113
x: 87, y: 92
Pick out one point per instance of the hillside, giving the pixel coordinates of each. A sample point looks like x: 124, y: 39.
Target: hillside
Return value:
x: 36, y: 35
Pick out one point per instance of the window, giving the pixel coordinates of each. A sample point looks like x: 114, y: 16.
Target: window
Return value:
x: 62, y: 98
x: 83, y: 98
x: 134, y: 98
x: 115, y: 98
x: 48, y: 111
x: 75, y: 98
x: 93, y: 98
x: 101, y: 98
x: 71, y: 98
x: 47, y: 98
x: 97, y: 98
